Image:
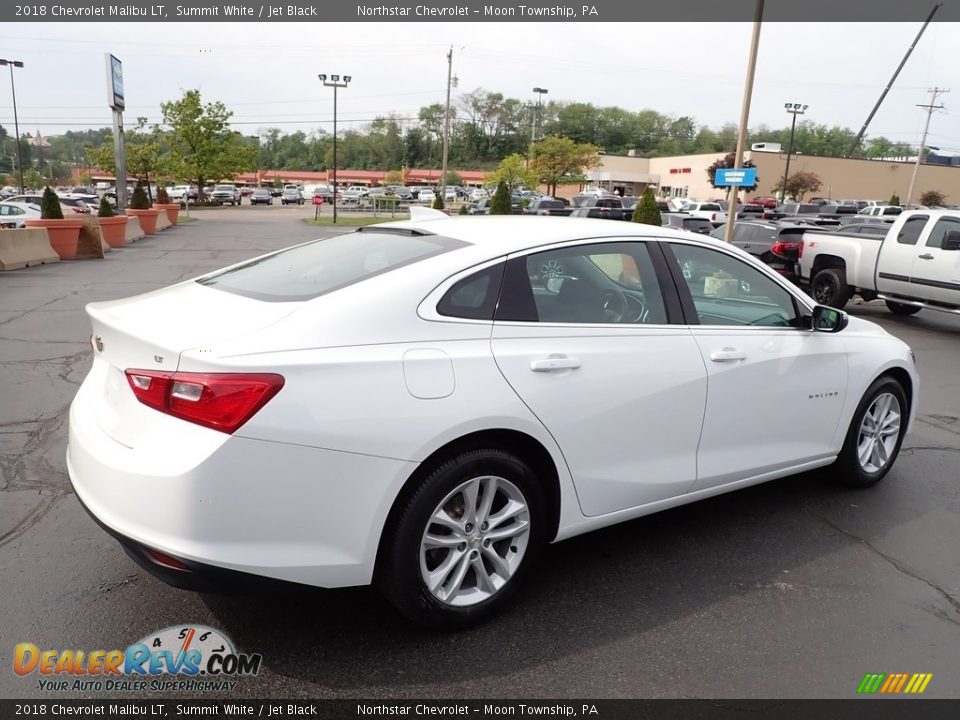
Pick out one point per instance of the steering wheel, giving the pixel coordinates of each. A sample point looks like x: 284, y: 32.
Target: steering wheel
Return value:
x: 615, y: 303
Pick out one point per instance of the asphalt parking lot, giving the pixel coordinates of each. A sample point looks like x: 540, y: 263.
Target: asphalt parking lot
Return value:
x: 792, y: 589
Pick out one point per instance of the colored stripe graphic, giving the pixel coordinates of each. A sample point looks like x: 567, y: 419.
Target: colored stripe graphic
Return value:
x: 894, y: 683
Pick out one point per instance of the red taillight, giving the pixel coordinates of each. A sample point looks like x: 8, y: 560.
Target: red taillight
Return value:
x: 220, y: 401
x: 713, y: 216
x: 783, y: 249
x: 165, y: 560
x: 800, y: 249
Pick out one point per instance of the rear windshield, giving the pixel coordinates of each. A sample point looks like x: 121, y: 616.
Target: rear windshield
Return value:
x: 307, y: 271
x: 551, y: 204
x: 696, y: 223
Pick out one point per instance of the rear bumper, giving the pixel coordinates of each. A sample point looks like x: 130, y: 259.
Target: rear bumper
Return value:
x: 234, y: 505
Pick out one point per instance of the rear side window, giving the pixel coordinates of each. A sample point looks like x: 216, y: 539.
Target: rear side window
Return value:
x: 910, y: 232
x: 307, y: 271
x: 709, y: 206
x: 474, y: 297
x: 940, y: 230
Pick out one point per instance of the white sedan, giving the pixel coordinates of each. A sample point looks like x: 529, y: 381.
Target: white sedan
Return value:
x: 14, y: 214
x: 424, y: 404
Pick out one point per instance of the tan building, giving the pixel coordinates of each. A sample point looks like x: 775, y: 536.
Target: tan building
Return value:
x: 686, y: 176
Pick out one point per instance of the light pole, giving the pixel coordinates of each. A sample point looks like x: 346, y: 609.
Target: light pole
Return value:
x: 536, y: 113
x: 335, y: 83
x: 16, y: 123
x: 794, y: 109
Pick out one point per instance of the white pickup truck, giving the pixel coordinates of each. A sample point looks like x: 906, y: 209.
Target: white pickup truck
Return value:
x: 915, y: 265
x: 708, y: 210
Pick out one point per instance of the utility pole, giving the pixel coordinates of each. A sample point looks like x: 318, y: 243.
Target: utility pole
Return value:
x: 446, y: 130
x: 734, y: 195
x: 930, y: 107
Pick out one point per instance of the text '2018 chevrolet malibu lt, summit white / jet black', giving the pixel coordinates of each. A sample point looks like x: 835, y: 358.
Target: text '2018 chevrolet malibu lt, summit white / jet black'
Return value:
x: 424, y: 404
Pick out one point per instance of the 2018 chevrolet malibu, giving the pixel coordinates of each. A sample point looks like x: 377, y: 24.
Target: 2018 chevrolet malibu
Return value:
x: 424, y: 404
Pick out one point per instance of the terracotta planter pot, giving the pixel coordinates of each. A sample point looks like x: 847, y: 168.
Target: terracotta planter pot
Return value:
x: 64, y: 235
x: 172, y: 210
x: 148, y: 219
x: 114, y: 230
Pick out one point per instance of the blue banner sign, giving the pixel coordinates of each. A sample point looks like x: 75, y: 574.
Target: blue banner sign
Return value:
x: 735, y: 176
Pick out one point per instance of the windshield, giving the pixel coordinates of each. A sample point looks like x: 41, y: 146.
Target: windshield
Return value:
x: 228, y: 188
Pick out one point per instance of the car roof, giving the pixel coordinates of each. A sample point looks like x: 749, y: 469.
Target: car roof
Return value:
x: 492, y: 236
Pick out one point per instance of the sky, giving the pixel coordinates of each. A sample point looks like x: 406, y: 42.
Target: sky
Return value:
x: 267, y: 73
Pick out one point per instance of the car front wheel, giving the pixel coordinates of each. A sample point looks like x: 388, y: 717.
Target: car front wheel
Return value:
x: 459, y: 545
x: 875, y: 435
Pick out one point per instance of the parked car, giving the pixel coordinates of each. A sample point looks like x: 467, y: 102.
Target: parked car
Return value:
x: 914, y: 265
x: 261, y: 196
x: 480, y: 207
x: 881, y: 210
x: 600, y: 213
x: 246, y: 191
x: 708, y: 210
x: 424, y: 405
x: 426, y: 195
x: 682, y: 221
x: 224, y: 194
x: 180, y: 192
x: 595, y: 200
x: 67, y: 205
x: 765, y: 201
x: 776, y: 244
x: 14, y: 214
x: 291, y: 196
x: 547, y: 206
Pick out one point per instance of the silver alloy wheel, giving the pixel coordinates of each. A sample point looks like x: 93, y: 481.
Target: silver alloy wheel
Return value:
x: 474, y: 541
x: 879, y: 431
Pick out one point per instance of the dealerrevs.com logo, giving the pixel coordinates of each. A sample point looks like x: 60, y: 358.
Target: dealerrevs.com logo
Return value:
x: 188, y: 658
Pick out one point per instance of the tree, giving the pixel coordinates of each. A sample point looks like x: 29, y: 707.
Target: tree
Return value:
x: 32, y: 178
x: 453, y: 178
x: 202, y: 145
x: 394, y: 177
x: 145, y: 150
x: 513, y: 172
x: 559, y: 159
x: 50, y: 205
x: 727, y: 162
x: 799, y: 184
x: 933, y: 198
x: 500, y: 204
x: 894, y: 199
x: 646, y: 211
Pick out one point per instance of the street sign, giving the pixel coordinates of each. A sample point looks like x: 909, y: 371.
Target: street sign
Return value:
x: 318, y: 199
x: 725, y: 177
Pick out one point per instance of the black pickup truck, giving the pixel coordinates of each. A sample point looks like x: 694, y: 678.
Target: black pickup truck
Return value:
x: 547, y: 206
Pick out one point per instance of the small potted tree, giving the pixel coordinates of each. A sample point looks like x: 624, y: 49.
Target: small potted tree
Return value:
x: 64, y: 234
x: 112, y: 226
x: 163, y: 203
x: 140, y: 208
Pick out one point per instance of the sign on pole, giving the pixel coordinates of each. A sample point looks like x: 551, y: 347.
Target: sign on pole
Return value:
x: 739, y: 177
x: 116, y: 102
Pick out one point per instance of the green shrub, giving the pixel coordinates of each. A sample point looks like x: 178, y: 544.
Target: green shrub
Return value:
x: 50, y: 205
x: 139, y: 201
x: 438, y: 202
x: 894, y: 199
x: 162, y: 197
x: 500, y: 204
x: 646, y: 210
x: 105, y: 209
x: 464, y: 210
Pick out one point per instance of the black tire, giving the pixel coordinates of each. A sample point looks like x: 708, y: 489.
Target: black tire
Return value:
x: 398, y: 573
x: 902, y: 308
x: 829, y: 287
x: 848, y: 470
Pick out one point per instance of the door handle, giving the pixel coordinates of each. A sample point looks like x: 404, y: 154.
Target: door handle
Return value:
x: 555, y: 363
x: 728, y: 355
x: 925, y: 256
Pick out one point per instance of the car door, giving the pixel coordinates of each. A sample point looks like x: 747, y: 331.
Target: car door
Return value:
x: 776, y: 388
x: 583, y: 335
x: 897, y: 255
x: 935, y: 270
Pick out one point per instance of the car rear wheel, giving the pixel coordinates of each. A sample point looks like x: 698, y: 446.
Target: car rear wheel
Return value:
x: 829, y: 287
x: 462, y: 542
x: 875, y: 435
x: 902, y: 308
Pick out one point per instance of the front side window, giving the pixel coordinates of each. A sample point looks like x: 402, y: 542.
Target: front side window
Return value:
x: 940, y: 230
x: 730, y: 291
x: 598, y: 283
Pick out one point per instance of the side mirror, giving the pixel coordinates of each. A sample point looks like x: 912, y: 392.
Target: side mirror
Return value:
x: 828, y: 319
x: 951, y: 241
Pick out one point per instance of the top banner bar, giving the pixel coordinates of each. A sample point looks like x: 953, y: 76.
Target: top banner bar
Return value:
x: 619, y: 11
